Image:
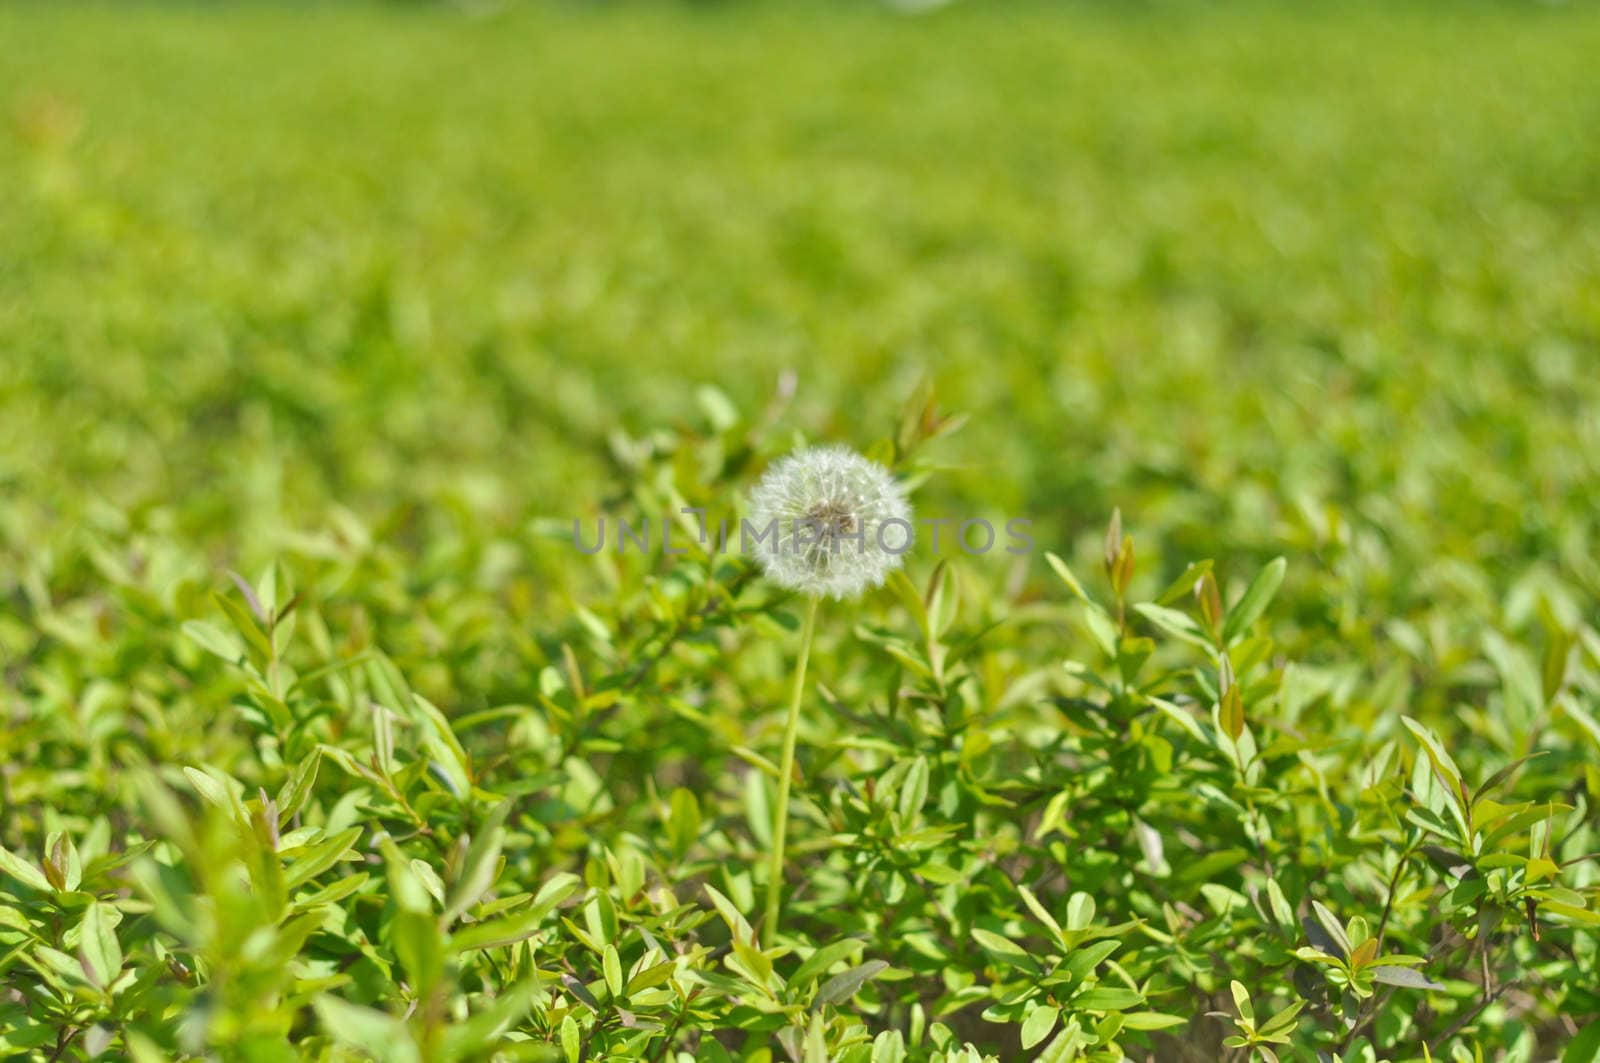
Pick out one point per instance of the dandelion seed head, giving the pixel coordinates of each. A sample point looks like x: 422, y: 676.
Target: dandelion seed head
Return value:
x: 826, y: 520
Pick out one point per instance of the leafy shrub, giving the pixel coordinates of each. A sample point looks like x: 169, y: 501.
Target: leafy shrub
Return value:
x: 1159, y: 844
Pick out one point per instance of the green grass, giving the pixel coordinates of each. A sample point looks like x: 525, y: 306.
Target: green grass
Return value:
x: 379, y: 298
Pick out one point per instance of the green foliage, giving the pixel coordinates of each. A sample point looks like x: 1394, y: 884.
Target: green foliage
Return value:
x: 1282, y: 743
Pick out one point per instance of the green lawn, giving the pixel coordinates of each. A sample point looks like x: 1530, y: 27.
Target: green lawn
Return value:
x: 377, y: 299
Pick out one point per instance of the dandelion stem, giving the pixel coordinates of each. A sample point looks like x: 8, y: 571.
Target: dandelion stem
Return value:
x: 780, y: 821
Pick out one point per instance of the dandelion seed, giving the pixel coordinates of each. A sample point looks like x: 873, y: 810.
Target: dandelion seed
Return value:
x: 829, y: 521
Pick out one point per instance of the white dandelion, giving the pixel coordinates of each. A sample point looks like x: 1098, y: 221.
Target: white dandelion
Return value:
x: 827, y: 521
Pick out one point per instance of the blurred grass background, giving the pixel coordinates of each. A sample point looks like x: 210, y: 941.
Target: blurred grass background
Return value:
x: 1321, y: 279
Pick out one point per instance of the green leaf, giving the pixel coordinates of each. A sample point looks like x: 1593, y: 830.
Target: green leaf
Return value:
x: 1213, y: 863
x: 911, y: 598
x: 1067, y: 577
x: 1101, y: 629
x: 889, y: 1047
x: 1039, y: 911
x: 213, y: 786
x: 717, y: 407
x: 683, y: 821
x: 556, y: 889
x: 1256, y: 599
x: 494, y: 933
x: 613, y: 970
x: 754, y: 965
x: 1403, y: 976
x: 417, y: 943
x: 297, y: 789
x: 1080, y: 911
x: 312, y: 861
x: 374, y: 1032
x: 487, y: 1025
x: 1442, y: 762
x: 1571, y: 911
x: 479, y: 865
x: 1281, y: 1023
x: 1282, y: 910
x: 23, y: 871
x: 913, y: 790
x: 1107, y: 998
x: 98, y: 945
x: 1184, y: 584
x: 213, y: 640
x: 1179, y: 625
x: 1082, y: 961
x: 1152, y: 1020
x: 652, y: 976
x: 737, y: 923
x: 1181, y: 718
x: 1003, y: 947
x: 1493, y: 781
x: 1066, y: 1046
x: 846, y: 984
x: 1241, y: 1002
x: 1037, y: 1026
x: 1334, y: 930
x: 571, y: 1039
x: 335, y: 892
x: 822, y: 959
x: 1585, y: 1046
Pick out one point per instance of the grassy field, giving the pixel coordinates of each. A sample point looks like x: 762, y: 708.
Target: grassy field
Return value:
x: 370, y: 302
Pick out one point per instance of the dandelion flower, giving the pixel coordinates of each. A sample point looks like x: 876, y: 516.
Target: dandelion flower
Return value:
x: 827, y: 521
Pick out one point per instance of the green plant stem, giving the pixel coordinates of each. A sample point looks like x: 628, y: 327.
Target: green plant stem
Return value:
x: 780, y: 819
